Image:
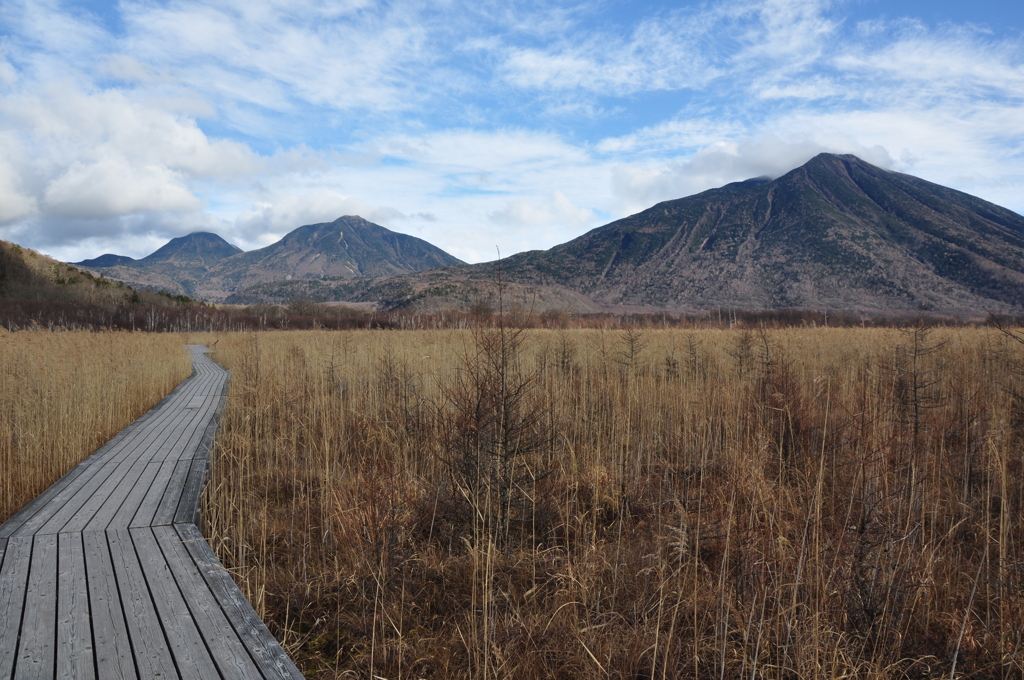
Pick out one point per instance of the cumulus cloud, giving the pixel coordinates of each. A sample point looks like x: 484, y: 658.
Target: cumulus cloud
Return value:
x: 78, y: 159
x: 112, y: 186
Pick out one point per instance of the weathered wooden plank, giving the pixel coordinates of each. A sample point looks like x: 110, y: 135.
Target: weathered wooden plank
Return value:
x: 37, y: 647
x: 114, y: 514
x: 188, y: 506
x: 172, y: 495
x: 74, y: 626
x: 265, y: 650
x: 53, y: 519
x: 95, y: 513
x: 65, y: 483
x: 151, y: 503
x: 54, y: 497
x: 43, y: 501
x: 113, y: 651
x: 106, y: 498
x: 13, y: 583
x: 152, y: 655
x: 180, y: 437
x: 206, y: 445
x: 173, y: 446
x: 185, y: 642
x: 227, y: 649
x: 187, y: 447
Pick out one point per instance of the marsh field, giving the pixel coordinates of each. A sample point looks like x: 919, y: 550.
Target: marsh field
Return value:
x: 497, y: 503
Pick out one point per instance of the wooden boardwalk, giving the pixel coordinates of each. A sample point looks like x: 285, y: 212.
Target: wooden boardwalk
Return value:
x: 105, y: 574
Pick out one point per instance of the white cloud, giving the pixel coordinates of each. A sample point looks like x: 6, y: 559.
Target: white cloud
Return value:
x: 251, y: 50
x: 112, y: 186
x: 129, y: 69
x: 557, y: 209
x: 8, y: 75
x: 100, y: 155
x: 659, y: 55
x: 724, y: 162
x: 786, y: 33
x: 484, y: 150
x: 816, y: 87
x: 960, y: 62
x: 14, y: 204
x: 676, y: 137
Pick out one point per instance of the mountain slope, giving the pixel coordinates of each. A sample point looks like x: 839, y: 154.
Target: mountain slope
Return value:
x: 837, y: 232
x: 199, y: 249
x: 106, y: 260
x: 205, y: 265
x: 176, y: 267
x: 349, y: 247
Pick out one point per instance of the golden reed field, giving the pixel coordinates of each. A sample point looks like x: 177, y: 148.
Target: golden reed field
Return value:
x: 806, y: 503
x: 62, y: 395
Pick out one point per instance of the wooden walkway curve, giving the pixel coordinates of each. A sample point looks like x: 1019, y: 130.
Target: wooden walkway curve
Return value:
x: 105, y: 575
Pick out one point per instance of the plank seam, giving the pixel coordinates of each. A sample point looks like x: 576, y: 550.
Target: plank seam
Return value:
x: 120, y: 600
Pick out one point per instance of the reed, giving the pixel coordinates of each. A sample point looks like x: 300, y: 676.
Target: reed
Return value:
x: 812, y: 503
x: 62, y: 395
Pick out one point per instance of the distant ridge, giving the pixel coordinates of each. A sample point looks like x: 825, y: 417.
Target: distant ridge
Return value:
x: 107, y: 260
x: 204, y: 265
x: 835, y: 233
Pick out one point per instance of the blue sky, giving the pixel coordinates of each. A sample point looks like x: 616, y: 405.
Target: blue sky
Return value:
x: 476, y: 125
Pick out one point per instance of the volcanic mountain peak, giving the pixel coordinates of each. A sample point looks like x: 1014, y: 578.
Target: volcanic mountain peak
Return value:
x: 348, y: 247
x: 312, y: 233
x: 836, y: 232
x: 198, y: 248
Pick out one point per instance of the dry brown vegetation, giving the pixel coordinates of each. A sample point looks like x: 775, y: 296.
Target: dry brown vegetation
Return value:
x: 62, y: 395
x: 804, y: 503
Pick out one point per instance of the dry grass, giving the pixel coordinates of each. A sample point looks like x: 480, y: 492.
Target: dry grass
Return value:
x: 813, y: 503
x: 62, y: 395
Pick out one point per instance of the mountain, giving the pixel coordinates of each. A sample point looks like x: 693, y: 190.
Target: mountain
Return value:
x: 106, y: 260
x: 206, y: 266
x: 199, y: 249
x: 37, y: 283
x: 835, y: 233
x: 177, y: 267
x: 348, y: 247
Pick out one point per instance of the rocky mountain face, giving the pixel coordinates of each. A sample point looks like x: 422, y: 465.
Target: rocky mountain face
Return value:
x: 206, y: 266
x: 837, y: 232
